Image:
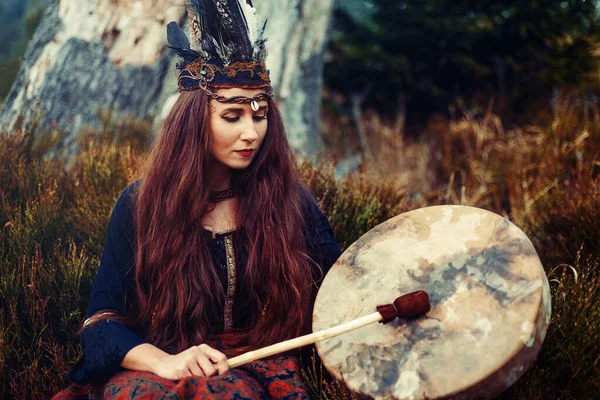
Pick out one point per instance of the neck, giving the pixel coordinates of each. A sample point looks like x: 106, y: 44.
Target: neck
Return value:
x: 219, y: 177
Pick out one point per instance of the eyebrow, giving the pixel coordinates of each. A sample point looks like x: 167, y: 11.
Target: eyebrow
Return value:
x: 239, y: 109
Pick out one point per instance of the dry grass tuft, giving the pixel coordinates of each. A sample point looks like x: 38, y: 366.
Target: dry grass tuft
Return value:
x: 568, y: 366
x: 357, y: 204
x: 52, y: 221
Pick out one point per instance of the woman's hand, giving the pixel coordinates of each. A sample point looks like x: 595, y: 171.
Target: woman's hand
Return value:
x: 200, y: 360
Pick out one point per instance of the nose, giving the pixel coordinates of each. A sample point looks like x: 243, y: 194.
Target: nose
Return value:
x: 248, y: 133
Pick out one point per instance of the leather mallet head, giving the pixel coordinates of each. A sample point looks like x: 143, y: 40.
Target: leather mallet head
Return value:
x: 410, y: 305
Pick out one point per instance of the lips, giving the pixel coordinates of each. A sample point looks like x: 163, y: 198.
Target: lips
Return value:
x: 245, y: 152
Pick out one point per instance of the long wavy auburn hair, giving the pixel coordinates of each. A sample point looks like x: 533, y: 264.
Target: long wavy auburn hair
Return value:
x: 178, y: 289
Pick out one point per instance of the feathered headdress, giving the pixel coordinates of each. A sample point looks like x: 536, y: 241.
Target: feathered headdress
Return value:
x: 228, y: 48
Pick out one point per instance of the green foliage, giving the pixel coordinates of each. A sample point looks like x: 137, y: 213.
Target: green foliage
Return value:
x: 31, y: 22
x: 15, y: 34
x: 430, y: 52
x: 10, y: 35
x: 8, y: 73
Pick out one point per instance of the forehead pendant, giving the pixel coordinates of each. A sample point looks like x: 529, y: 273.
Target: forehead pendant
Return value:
x: 254, y: 105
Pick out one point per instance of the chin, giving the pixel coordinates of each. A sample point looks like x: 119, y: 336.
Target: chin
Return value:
x: 240, y: 165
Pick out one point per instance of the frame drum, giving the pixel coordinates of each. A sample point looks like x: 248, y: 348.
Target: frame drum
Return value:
x: 490, y: 306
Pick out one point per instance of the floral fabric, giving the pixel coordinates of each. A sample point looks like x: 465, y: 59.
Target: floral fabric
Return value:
x: 277, y: 378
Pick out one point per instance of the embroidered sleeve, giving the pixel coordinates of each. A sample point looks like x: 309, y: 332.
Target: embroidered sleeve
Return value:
x: 104, y: 346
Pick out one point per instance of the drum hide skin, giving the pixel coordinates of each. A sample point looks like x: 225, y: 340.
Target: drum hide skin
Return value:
x: 490, y: 304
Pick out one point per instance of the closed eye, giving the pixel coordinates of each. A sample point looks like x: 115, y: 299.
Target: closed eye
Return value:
x: 235, y: 119
x: 231, y: 119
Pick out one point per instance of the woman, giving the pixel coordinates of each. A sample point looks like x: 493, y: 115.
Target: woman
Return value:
x: 218, y: 248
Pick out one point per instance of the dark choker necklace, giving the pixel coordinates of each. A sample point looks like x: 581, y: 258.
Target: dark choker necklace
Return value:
x: 221, y: 195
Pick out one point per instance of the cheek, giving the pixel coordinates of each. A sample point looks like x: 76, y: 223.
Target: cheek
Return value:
x: 220, y: 135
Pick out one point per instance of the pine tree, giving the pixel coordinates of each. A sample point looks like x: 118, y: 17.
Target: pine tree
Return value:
x: 433, y: 51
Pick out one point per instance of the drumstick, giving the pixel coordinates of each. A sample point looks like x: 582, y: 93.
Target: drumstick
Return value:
x: 407, y: 306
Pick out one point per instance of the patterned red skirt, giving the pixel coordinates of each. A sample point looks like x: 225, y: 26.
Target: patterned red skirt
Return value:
x: 277, y: 378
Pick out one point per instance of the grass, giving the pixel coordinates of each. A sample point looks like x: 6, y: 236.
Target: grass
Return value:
x: 568, y: 365
x: 544, y: 177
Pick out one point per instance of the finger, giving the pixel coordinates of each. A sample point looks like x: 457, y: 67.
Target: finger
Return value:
x: 182, y: 373
x: 218, y: 358
x: 206, y: 365
x: 189, y: 364
x: 194, y: 368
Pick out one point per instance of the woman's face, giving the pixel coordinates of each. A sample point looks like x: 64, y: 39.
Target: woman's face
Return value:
x: 237, y: 131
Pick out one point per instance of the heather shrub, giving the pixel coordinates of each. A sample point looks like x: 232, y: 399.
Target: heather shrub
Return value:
x: 567, y: 219
x: 100, y: 172
x: 358, y: 203
x: 43, y: 301
x: 508, y: 171
x: 53, y: 221
x: 568, y: 364
x: 29, y: 203
x: 38, y: 318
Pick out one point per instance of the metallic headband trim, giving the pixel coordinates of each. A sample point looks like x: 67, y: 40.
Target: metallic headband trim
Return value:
x: 268, y: 94
x: 242, y: 99
x: 240, y: 74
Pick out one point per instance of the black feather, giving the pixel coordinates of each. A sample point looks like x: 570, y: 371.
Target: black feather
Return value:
x: 239, y: 31
x: 178, y: 41
x: 208, y: 20
x: 224, y: 29
x: 176, y: 37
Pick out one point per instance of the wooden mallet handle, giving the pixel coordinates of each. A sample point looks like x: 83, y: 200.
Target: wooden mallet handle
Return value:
x: 407, y: 306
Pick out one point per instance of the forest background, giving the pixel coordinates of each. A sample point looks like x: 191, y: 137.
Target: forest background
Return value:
x: 489, y: 104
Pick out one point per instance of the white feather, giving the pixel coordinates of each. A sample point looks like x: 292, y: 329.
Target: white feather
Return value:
x: 253, y: 25
x: 223, y: 51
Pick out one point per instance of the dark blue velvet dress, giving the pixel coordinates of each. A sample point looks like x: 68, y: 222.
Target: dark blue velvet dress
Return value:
x: 106, y: 343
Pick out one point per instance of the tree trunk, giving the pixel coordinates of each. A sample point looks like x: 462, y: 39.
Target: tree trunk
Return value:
x: 297, y: 32
x: 89, y: 55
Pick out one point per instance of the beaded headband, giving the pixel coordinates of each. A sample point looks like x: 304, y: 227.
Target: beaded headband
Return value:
x: 231, y: 50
